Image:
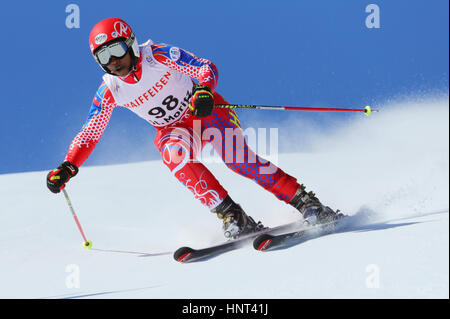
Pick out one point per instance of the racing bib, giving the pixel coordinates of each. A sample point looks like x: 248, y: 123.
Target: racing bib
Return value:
x: 162, y: 95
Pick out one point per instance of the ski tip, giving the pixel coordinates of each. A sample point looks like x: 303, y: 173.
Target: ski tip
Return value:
x: 183, y: 254
x: 262, y: 242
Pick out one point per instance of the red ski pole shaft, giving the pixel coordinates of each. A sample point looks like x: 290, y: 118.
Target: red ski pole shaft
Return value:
x: 86, y: 243
x: 367, y: 110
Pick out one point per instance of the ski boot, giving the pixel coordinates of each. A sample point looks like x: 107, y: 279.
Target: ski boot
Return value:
x: 235, y: 221
x: 312, y: 209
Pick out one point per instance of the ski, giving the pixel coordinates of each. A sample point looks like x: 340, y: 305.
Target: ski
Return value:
x: 269, y: 241
x: 188, y: 254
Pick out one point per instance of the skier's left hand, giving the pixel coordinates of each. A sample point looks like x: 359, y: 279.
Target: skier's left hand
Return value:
x: 202, y: 101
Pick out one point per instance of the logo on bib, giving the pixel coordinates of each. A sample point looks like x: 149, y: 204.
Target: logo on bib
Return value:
x: 174, y: 53
x: 150, y: 60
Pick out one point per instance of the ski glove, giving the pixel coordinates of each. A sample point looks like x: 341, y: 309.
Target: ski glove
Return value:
x: 202, y: 101
x: 57, y: 179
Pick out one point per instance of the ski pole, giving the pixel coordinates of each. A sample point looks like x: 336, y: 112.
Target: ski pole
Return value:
x: 86, y: 243
x: 367, y: 110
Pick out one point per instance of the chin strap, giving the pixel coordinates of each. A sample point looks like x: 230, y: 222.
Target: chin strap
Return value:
x: 133, y: 70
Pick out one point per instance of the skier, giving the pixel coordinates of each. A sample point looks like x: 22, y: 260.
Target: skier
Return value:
x: 155, y: 81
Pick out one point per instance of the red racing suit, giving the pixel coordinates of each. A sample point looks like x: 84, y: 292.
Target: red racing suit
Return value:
x: 159, y: 91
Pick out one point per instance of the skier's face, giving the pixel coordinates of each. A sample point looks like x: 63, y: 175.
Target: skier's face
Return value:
x: 120, y: 67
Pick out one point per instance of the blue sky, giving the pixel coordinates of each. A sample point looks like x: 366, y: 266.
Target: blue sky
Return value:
x: 306, y: 53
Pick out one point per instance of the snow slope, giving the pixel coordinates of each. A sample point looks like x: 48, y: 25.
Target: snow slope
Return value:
x: 390, y: 170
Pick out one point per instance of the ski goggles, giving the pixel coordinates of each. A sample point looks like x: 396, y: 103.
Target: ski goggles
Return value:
x: 116, y: 49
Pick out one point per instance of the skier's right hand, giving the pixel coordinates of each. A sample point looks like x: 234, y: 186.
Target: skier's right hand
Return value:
x: 57, y: 179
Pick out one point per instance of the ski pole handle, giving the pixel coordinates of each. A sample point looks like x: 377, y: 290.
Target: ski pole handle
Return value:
x: 367, y: 110
x: 86, y: 243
